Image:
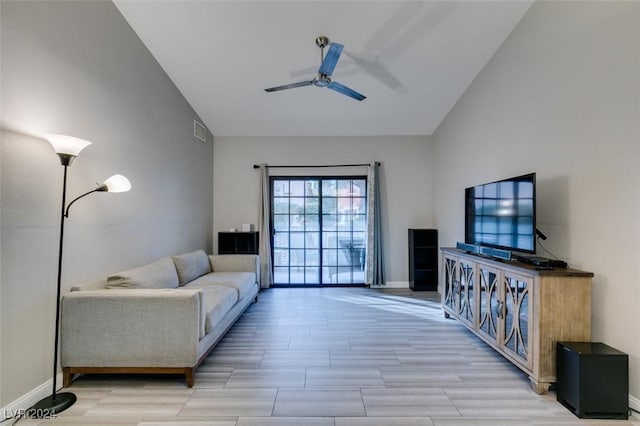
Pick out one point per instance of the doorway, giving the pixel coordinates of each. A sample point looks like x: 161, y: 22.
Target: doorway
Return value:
x: 319, y: 230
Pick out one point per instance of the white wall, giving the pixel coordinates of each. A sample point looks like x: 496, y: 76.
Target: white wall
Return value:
x: 561, y: 98
x: 77, y: 68
x: 406, y: 178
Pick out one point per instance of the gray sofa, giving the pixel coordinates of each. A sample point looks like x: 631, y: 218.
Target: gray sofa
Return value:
x: 164, y: 317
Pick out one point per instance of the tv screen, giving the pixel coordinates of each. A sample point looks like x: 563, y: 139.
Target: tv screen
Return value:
x: 502, y: 214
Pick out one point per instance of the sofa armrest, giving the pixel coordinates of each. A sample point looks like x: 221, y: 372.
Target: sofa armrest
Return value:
x: 131, y: 328
x: 236, y: 263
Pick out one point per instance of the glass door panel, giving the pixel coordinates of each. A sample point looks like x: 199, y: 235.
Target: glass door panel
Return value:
x: 451, y: 282
x: 488, y: 291
x: 344, y: 227
x: 467, y: 299
x: 295, y: 240
x: 516, y: 332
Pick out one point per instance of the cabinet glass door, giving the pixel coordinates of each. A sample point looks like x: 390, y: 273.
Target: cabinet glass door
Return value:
x: 488, y: 292
x: 451, y: 283
x: 467, y: 299
x: 516, y: 318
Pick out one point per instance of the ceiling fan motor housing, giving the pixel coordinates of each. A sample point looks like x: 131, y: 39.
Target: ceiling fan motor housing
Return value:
x: 322, y: 41
x: 322, y: 81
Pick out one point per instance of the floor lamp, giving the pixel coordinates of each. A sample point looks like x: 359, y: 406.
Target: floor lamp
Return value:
x: 68, y: 148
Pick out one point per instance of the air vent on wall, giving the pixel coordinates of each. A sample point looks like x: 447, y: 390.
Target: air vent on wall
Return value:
x: 199, y: 131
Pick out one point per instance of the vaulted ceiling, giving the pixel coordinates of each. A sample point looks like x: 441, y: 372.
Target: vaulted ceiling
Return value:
x: 413, y: 60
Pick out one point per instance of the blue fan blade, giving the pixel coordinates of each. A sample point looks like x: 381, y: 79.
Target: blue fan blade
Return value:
x: 289, y: 86
x: 331, y: 59
x: 341, y: 88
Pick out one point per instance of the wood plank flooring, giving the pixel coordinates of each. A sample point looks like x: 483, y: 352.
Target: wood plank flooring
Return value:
x: 331, y: 357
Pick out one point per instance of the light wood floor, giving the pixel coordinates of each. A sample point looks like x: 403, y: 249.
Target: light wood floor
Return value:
x: 334, y: 357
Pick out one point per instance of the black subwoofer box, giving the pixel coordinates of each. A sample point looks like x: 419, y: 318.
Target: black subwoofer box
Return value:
x: 592, y: 380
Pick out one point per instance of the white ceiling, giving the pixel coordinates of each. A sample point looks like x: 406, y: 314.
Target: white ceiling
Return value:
x: 413, y: 60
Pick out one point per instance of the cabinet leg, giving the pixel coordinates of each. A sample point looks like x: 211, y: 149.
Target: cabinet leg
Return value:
x: 541, y: 388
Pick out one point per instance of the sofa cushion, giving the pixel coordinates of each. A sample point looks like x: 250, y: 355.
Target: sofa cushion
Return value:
x: 217, y: 302
x: 191, y: 266
x: 242, y: 282
x: 234, y: 262
x: 159, y: 274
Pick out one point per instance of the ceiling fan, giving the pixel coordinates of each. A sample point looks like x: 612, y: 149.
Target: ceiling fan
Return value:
x: 323, y: 79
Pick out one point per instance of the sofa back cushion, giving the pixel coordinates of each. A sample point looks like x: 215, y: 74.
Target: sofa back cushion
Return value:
x: 159, y: 274
x: 191, y: 266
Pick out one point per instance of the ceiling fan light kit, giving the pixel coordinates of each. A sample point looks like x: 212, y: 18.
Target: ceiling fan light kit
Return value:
x: 328, y: 63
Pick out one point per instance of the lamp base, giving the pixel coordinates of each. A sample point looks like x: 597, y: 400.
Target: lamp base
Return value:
x: 51, y: 405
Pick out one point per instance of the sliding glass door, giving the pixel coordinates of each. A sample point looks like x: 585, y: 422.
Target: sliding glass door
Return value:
x: 319, y: 230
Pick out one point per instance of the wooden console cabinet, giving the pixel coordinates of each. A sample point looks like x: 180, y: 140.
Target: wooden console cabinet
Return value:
x: 519, y: 311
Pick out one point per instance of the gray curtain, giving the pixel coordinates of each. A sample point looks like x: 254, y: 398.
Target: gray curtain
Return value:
x: 375, y: 251
x: 266, y: 275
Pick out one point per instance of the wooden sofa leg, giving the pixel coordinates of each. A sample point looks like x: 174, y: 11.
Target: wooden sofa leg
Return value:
x: 190, y: 376
x: 67, y: 377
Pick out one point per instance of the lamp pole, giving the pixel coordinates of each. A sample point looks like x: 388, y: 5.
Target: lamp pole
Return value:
x: 58, y: 294
x: 57, y: 402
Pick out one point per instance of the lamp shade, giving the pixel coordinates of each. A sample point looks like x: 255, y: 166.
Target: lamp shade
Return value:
x: 67, y: 145
x: 117, y: 183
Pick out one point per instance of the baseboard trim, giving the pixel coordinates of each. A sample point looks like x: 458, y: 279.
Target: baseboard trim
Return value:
x: 29, y: 399
x: 393, y: 284
x: 634, y: 403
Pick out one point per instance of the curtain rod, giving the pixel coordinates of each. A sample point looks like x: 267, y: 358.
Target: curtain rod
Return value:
x: 257, y: 166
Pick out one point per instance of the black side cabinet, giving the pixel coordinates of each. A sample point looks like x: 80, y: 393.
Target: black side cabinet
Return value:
x: 237, y: 243
x: 592, y: 380
x: 423, y: 259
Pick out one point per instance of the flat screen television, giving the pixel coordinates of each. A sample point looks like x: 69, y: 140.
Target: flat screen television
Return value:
x: 502, y: 214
